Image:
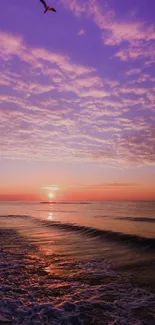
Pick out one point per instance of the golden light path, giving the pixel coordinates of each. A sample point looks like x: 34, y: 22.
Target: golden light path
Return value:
x: 50, y: 216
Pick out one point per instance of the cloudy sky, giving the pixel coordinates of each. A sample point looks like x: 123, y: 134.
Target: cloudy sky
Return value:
x: 77, y: 99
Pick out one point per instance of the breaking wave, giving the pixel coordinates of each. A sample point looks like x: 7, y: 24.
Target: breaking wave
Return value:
x: 139, y: 241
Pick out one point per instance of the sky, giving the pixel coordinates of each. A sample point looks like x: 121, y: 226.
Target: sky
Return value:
x: 77, y: 100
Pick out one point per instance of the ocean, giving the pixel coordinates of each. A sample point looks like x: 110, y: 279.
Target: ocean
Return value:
x: 78, y: 262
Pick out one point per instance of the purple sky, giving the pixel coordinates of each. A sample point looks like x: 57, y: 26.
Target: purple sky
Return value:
x: 77, y: 93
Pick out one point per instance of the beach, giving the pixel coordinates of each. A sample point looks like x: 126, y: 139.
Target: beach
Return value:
x: 56, y: 274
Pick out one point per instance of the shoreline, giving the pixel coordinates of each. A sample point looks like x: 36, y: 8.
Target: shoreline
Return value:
x: 36, y: 290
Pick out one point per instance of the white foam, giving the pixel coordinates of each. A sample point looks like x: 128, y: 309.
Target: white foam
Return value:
x: 76, y: 293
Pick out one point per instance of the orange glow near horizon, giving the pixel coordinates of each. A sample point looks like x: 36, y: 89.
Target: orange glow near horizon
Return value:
x: 83, y: 193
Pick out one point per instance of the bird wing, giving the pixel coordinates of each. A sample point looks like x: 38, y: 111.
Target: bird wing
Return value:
x: 53, y: 9
x: 44, y: 3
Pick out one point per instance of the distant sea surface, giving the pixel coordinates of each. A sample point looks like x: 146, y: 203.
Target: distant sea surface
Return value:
x: 135, y: 218
x: 89, y: 242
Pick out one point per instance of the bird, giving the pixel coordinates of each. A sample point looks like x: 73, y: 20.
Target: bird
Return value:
x: 47, y: 8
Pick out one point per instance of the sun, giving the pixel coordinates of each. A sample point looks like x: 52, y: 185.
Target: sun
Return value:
x: 51, y: 195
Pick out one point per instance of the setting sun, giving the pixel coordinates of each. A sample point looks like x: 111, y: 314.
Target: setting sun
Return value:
x: 51, y: 195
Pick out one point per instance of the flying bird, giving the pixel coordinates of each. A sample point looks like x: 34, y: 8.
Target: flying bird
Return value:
x: 47, y: 8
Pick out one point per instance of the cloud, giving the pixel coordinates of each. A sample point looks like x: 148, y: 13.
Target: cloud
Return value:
x: 78, y: 7
x: 11, y: 46
x: 142, y: 51
x: 136, y: 37
x: 92, y: 187
x: 119, y: 184
x: 51, y: 187
x: 115, y: 30
x: 55, y: 109
x: 131, y: 32
x: 81, y: 32
x: 133, y: 72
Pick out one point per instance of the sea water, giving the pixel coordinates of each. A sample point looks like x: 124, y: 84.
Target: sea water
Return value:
x: 91, y: 262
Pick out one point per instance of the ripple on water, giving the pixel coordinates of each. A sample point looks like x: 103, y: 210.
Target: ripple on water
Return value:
x: 54, y: 289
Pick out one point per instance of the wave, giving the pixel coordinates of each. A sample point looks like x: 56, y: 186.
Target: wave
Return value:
x: 129, y: 239
x: 137, y: 219
x: 101, y: 217
x: 16, y: 216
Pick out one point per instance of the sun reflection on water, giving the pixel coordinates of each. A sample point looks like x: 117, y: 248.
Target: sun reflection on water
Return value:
x: 50, y: 216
